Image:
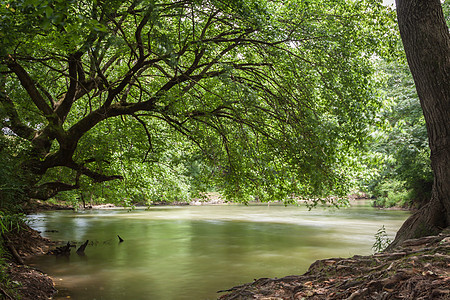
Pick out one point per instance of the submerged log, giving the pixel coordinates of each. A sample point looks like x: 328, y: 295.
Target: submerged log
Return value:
x: 80, y: 250
x: 64, y: 250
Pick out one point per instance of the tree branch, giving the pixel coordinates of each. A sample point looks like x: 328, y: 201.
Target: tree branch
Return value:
x: 138, y: 36
x: 50, y: 189
x: 98, y: 177
x: 63, y: 106
x: 149, y: 137
x: 47, y: 94
x: 15, y: 124
x: 30, y: 87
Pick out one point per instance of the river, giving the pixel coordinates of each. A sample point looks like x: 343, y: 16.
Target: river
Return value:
x: 191, y: 252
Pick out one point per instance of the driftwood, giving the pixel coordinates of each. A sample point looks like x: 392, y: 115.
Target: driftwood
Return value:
x: 80, y: 250
x: 63, y: 250
x: 13, y: 250
x: 2, y: 291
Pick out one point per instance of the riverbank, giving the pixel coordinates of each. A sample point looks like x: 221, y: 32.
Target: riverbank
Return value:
x: 24, y: 282
x: 418, y: 269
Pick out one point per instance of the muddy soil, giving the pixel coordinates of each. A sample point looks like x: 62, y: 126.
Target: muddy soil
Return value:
x: 26, y: 282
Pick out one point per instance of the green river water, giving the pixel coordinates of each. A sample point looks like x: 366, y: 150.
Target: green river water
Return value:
x: 191, y: 252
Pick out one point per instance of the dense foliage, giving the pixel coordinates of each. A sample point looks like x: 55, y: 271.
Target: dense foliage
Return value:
x: 264, y: 99
x: 400, y: 156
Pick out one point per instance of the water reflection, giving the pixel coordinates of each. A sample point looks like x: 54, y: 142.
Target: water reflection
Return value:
x: 191, y: 252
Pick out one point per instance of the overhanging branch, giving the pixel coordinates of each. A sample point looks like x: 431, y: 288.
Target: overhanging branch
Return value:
x: 97, y: 177
x: 14, y: 123
x: 50, y: 189
x: 149, y: 137
x: 30, y: 87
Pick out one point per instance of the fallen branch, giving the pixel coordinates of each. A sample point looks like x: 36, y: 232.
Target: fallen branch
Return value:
x: 80, y: 250
x: 6, y: 294
x: 13, y: 250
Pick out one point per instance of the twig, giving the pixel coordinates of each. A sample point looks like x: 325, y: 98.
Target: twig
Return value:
x: 6, y: 294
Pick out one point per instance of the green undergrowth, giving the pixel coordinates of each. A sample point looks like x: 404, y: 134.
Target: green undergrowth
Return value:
x: 396, y: 193
x: 382, y: 240
x: 393, y: 194
x: 394, y: 199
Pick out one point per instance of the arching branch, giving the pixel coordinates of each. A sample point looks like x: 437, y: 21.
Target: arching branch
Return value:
x: 14, y: 123
x: 149, y: 137
x: 30, y: 87
x: 50, y: 189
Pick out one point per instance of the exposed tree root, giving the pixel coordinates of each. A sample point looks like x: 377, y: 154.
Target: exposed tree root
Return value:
x: 418, y: 269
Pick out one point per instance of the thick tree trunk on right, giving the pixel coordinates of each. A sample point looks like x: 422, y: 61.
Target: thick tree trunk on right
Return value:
x: 426, y: 40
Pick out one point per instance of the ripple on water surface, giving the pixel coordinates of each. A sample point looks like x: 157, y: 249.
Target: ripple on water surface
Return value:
x: 191, y: 252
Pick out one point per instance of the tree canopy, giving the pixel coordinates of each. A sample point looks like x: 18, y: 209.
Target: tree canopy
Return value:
x: 267, y: 99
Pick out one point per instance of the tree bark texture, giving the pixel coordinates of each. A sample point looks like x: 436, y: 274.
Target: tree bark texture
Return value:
x: 426, y: 41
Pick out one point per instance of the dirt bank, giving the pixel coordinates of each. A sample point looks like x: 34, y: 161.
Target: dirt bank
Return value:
x: 418, y: 269
x: 26, y: 283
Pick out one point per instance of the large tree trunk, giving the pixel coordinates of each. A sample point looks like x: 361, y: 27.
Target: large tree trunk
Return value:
x: 426, y: 40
